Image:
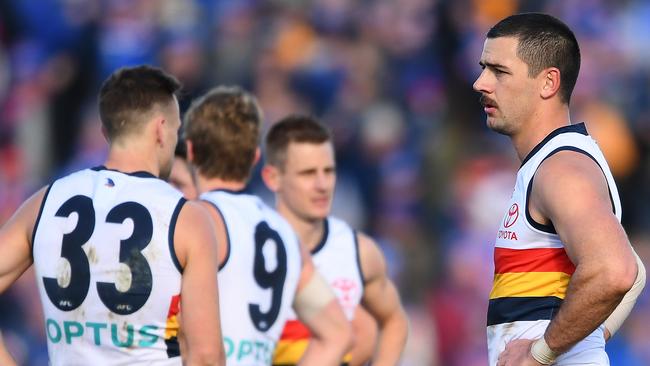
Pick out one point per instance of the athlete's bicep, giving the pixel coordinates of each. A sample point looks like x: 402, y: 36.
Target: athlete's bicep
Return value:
x: 571, y: 190
x: 196, y: 243
x: 380, y: 296
x: 16, y: 240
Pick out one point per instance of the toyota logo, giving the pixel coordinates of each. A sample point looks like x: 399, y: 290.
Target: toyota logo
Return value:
x: 513, y: 215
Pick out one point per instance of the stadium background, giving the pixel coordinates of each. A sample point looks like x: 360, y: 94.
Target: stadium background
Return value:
x: 418, y: 169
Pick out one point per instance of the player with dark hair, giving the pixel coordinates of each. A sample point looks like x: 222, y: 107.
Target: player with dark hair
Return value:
x: 563, y: 262
x: 117, y: 250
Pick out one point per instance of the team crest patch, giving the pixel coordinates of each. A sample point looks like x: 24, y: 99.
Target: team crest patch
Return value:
x: 347, y: 291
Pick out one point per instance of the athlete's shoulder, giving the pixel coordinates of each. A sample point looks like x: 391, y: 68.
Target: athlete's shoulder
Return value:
x: 568, y: 165
x: 366, y: 242
x: 569, y: 177
x: 371, y: 257
x: 28, y: 214
x: 193, y: 219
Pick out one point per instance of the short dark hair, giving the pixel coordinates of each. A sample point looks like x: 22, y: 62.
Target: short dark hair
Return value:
x: 544, y: 41
x: 131, y: 92
x: 224, y: 128
x: 294, y: 128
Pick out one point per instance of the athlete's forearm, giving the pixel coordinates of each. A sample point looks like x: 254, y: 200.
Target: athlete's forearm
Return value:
x: 331, y: 334
x: 366, y: 336
x: 592, y: 295
x: 392, y: 339
x: 618, y: 316
x: 323, y: 353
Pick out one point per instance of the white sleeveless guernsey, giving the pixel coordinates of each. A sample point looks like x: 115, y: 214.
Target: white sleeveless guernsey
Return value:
x: 532, y: 269
x: 258, y: 279
x: 106, y: 269
x: 336, y: 257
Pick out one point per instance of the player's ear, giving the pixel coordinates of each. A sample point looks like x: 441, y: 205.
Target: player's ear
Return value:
x: 159, y: 127
x: 271, y: 177
x: 551, y: 79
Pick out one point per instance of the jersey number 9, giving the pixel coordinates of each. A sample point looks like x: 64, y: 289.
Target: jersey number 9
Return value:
x: 266, y: 279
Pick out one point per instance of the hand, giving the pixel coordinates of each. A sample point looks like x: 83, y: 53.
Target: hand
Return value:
x: 517, y: 353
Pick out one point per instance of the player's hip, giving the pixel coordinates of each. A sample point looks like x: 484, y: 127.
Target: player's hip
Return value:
x: 589, y: 351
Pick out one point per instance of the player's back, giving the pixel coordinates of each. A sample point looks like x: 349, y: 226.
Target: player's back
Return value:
x: 257, y: 280
x: 106, y: 269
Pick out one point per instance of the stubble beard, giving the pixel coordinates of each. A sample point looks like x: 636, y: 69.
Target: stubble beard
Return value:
x: 500, y: 126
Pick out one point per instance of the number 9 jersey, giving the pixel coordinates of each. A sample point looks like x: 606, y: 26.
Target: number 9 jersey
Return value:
x: 257, y: 280
x: 106, y: 269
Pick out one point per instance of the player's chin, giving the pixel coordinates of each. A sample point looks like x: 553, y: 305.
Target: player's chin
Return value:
x: 491, y: 122
x: 319, y: 213
x: 497, y: 126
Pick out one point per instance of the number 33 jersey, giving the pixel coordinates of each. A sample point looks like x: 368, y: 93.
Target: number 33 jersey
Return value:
x: 258, y: 278
x: 106, y: 269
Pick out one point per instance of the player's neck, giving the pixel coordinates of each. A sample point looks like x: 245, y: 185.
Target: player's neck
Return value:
x: 537, y: 128
x: 310, y: 232
x: 129, y: 159
x: 205, y: 184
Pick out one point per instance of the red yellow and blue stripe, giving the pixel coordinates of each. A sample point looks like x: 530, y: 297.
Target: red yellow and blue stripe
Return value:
x: 529, y: 284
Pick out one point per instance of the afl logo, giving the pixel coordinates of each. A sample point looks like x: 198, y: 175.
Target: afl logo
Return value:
x: 513, y: 215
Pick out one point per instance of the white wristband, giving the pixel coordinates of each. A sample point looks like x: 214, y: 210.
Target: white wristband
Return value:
x: 542, y: 353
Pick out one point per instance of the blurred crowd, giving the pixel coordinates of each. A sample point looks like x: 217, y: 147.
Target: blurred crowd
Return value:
x: 417, y: 168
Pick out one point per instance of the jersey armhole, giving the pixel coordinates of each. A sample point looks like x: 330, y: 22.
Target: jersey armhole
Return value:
x: 358, y: 255
x: 172, y: 229
x: 550, y: 228
x: 225, y: 225
x: 38, y: 218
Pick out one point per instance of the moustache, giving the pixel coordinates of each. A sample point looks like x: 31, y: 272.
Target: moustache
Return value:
x: 485, y: 101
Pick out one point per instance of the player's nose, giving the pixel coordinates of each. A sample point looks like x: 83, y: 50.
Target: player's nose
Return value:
x: 481, y: 84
